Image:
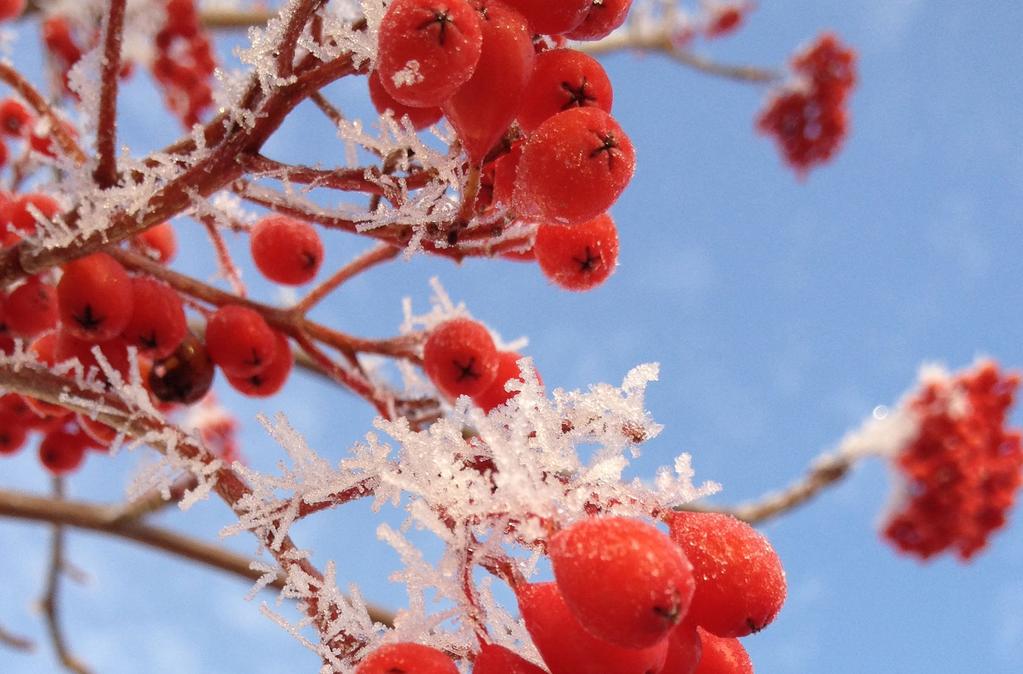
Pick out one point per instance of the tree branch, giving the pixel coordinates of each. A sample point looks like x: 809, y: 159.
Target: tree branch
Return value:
x: 106, y: 131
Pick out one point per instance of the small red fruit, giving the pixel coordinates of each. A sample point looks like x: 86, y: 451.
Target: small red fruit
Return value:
x: 460, y: 358
x: 270, y: 380
x: 578, y: 257
x: 495, y: 394
x: 602, y: 17
x: 62, y: 450
x: 406, y: 658
x: 19, y: 215
x: 95, y: 297
x: 383, y: 101
x: 563, y: 79
x: 44, y: 349
x: 494, y: 659
x: 12, y: 434
x: 183, y: 377
x: 14, y: 118
x: 286, y: 250
x: 240, y: 341
x: 159, y: 242
x: 552, y: 18
x: 11, y: 9
x: 31, y: 308
x: 158, y: 323
x: 722, y: 655
x: 683, y: 650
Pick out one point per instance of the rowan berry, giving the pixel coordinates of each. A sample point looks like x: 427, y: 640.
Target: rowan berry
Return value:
x: 19, y: 215
x: 286, y: 250
x: 573, y: 167
x: 44, y: 349
x: 40, y: 137
x: 31, y: 308
x: 625, y: 581
x: 725, y: 19
x: 239, y: 341
x: 740, y: 583
x: 185, y: 376
x: 578, y: 257
x: 602, y: 17
x: 505, y: 169
x: 683, y: 650
x: 494, y: 659
x: 496, y: 394
x: 406, y: 658
x: 101, y: 434
x: 460, y: 357
x: 552, y: 18
x: 567, y: 648
x: 483, y: 108
x: 14, y: 118
x: 12, y: 434
x: 419, y: 117
x: 158, y: 321
x: 11, y: 9
x: 271, y: 379
x: 114, y: 351
x: 159, y: 242
x: 427, y: 49
x: 563, y: 79
x: 722, y: 655
x: 62, y: 450
x: 95, y: 297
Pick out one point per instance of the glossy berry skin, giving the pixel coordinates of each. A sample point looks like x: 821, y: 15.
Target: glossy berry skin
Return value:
x: 406, y: 658
x: 420, y: 118
x: 286, y: 250
x: 31, y: 308
x: 183, y: 377
x: 578, y: 257
x: 495, y: 394
x: 95, y: 297
x: 14, y: 118
x: 601, y: 18
x: 273, y: 378
x: 573, y: 167
x: 740, y: 583
x: 552, y: 18
x: 481, y: 110
x: 18, y: 214
x: 625, y: 581
x: 567, y: 648
x: 159, y: 242
x: 722, y: 655
x: 683, y: 650
x: 460, y: 358
x: 427, y: 49
x: 494, y: 659
x: 62, y: 451
x: 563, y: 79
x: 240, y: 341
x: 158, y: 323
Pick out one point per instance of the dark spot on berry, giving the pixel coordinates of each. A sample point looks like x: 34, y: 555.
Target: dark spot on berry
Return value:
x: 672, y: 613
x: 608, y: 146
x: 255, y: 361
x: 442, y: 19
x: 88, y: 320
x: 753, y: 626
x: 309, y: 259
x: 466, y: 371
x: 256, y: 380
x: 589, y: 263
x: 578, y: 97
x: 149, y: 341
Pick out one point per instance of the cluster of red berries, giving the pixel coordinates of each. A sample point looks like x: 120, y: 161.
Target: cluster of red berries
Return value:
x: 18, y: 123
x: 65, y: 441
x: 184, y: 62
x: 962, y: 469
x: 476, y: 62
x: 809, y: 118
x: 630, y: 599
x: 66, y: 50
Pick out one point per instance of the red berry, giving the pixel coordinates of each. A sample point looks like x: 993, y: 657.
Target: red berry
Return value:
x: 427, y: 49
x: 563, y: 79
x: 99, y: 432
x: 95, y: 297
x: 602, y: 17
x: 62, y: 450
x: 567, y: 648
x: 740, y: 583
x: 578, y: 257
x: 159, y: 242
x: 44, y: 348
x: 240, y: 341
x: 12, y: 434
x: 19, y: 215
x: 420, y: 118
x: 481, y: 110
x: 552, y: 18
x: 185, y: 376
x: 14, y: 118
x: 625, y: 581
x: 495, y: 394
x: 286, y: 250
x: 31, y: 308
x: 460, y: 358
x: 158, y: 322
x: 406, y: 658
x: 494, y: 659
x: 270, y: 380
x: 722, y: 655
x: 505, y: 169
x: 11, y: 9
x: 573, y: 167
x: 683, y: 650
x: 40, y: 137
x: 115, y: 351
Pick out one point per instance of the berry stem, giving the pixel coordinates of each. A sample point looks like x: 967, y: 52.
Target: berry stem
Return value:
x: 292, y: 32
x: 105, y: 174
x: 374, y: 256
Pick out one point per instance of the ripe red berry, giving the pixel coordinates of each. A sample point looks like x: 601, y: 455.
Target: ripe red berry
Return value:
x: 460, y: 357
x: 563, y: 79
x: 14, y: 118
x: 158, y: 323
x: 12, y: 434
x: 100, y: 433
x: 240, y: 341
x: 95, y: 297
x: 740, y: 583
x: 567, y: 648
x: 683, y: 650
x: 406, y: 658
x: 62, y: 450
x: 578, y: 257
x: 495, y: 394
x: 552, y: 18
x: 427, y: 49
x: 159, y: 242
x: 286, y: 250
x: 40, y: 137
x: 115, y: 351
x: 506, y: 167
x: 270, y: 380
x: 625, y: 581
x: 31, y: 308
x: 602, y: 17
x: 494, y: 659
x: 481, y: 110
x: 573, y: 167
x: 722, y: 655
x: 420, y: 118
x: 185, y: 376
x: 19, y: 215
x: 44, y: 349
x: 11, y: 9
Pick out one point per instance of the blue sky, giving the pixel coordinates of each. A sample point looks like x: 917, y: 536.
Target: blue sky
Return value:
x: 782, y: 311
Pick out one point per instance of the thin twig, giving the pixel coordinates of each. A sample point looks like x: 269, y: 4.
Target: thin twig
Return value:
x: 106, y: 133
x: 367, y: 260
x: 42, y: 107
x: 15, y: 642
x: 154, y: 501
x: 292, y: 31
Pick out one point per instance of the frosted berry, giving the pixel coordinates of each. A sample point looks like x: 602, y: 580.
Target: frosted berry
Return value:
x: 95, y: 297
x: 420, y: 118
x: 31, y: 308
x: 683, y: 650
x: 158, y: 321
x: 573, y: 167
x: 481, y: 110
x: 427, y: 49
x: 552, y: 18
x: 286, y: 250
x: 114, y: 351
x: 62, y: 450
x: 271, y: 379
x: 185, y: 376
x: 240, y: 341
x: 722, y: 655
x: 19, y: 215
x: 41, y: 139
x: 578, y: 257
x: 14, y: 118
x: 602, y: 17
x: 159, y: 242
x: 567, y: 648
x: 406, y: 658
x: 494, y: 659
x: 563, y: 79
x: 624, y: 580
x: 495, y: 394
x: 740, y: 583
x: 460, y: 357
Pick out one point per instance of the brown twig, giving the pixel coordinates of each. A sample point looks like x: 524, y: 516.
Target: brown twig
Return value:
x: 367, y: 260
x: 292, y: 31
x: 15, y: 642
x: 106, y: 129
x: 154, y: 501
